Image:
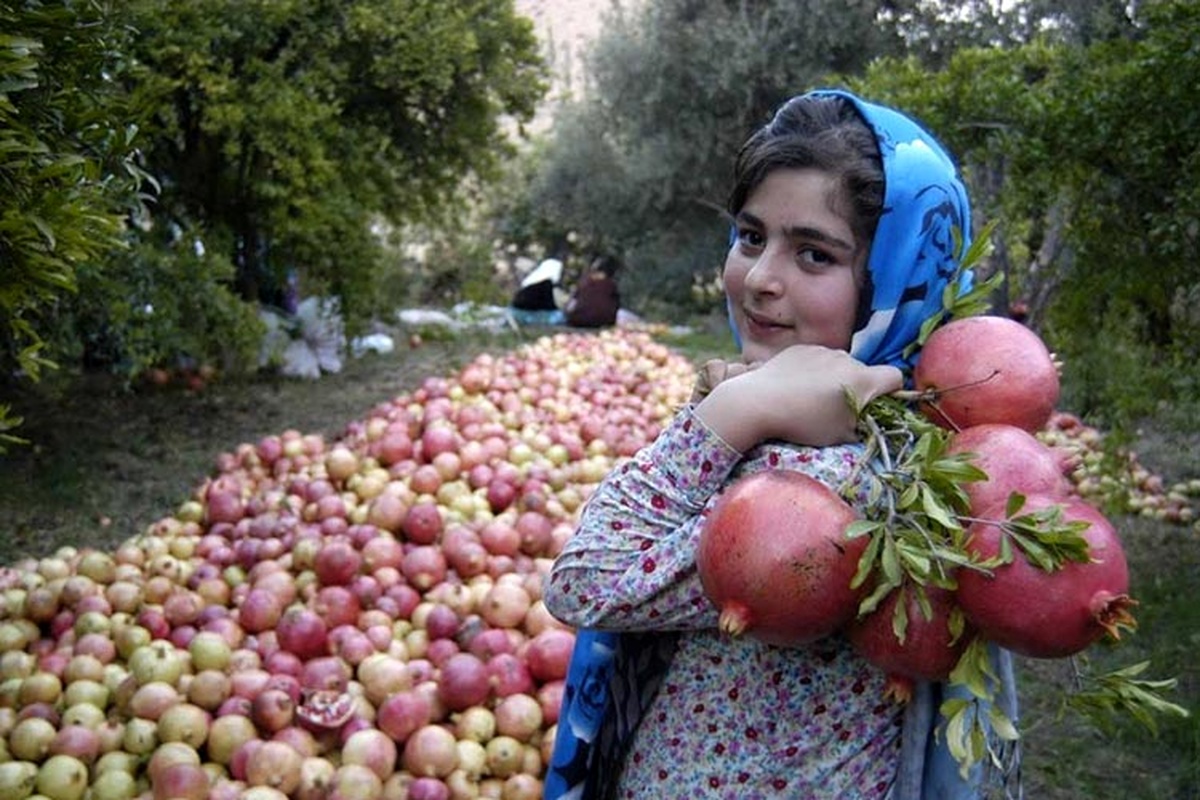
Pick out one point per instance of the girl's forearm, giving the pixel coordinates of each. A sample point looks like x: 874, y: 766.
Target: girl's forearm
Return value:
x: 631, y: 563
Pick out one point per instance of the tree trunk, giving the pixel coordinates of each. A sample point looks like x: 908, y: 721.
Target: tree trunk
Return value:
x: 1051, y: 263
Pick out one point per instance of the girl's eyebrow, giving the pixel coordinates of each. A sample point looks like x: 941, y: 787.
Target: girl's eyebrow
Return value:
x: 801, y: 232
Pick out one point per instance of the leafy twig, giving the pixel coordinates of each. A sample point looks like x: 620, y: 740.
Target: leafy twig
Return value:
x: 966, y: 731
x: 914, y: 502
x: 1045, y: 539
x: 1100, y: 697
x: 962, y: 297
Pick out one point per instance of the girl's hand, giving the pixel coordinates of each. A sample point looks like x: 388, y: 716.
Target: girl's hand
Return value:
x: 713, y: 372
x: 799, y: 396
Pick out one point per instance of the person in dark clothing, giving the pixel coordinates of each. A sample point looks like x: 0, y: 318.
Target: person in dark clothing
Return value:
x: 536, y: 292
x: 596, y: 299
x: 534, y: 302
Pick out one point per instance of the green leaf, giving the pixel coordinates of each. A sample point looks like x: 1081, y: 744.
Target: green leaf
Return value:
x: 1001, y: 724
x: 44, y: 229
x: 916, y: 561
x: 900, y: 617
x: 959, y: 470
x: 935, y: 509
x: 959, y: 724
x: 973, y: 670
x: 1005, y: 556
x: 889, y: 562
x: 866, y: 563
x: 1015, y: 502
x: 862, y: 527
x: 872, y: 600
x: 1120, y: 691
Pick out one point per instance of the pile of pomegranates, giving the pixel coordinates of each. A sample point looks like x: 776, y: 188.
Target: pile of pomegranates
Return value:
x: 348, y: 619
x: 1115, y: 478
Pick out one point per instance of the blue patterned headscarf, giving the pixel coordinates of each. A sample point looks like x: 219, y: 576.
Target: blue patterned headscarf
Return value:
x: 613, y: 677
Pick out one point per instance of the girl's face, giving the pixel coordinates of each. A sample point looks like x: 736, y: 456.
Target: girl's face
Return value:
x: 793, y: 274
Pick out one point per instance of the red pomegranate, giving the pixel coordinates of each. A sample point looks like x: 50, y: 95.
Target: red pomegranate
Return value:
x: 774, y: 559
x: 1014, y: 460
x: 930, y: 649
x: 1047, y: 614
x: 987, y: 369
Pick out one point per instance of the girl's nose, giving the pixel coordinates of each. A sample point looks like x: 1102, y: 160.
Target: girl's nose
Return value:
x: 764, y: 276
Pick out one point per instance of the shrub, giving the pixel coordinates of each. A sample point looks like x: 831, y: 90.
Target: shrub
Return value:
x: 166, y: 301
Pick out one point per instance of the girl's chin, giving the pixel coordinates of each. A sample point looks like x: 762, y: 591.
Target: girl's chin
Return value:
x: 758, y: 352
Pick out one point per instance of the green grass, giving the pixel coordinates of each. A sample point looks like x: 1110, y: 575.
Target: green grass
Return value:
x: 1068, y: 757
x: 105, y: 464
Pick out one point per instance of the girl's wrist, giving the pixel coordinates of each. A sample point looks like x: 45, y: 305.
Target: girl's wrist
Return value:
x: 732, y: 416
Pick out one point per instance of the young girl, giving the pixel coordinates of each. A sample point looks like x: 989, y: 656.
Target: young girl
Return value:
x: 844, y: 217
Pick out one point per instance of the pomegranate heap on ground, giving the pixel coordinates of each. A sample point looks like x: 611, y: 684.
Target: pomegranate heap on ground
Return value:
x: 357, y: 619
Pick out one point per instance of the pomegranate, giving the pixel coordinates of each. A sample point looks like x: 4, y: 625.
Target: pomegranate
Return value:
x: 1014, y: 460
x: 430, y: 752
x: 404, y: 712
x: 62, y: 776
x: 303, y: 632
x: 276, y: 765
x: 519, y: 716
x: 929, y: 650
x: 336, y: 563
x: 325, y: 709
x: 1047, y: 614
x: 181, y: 781
x: 774, y: 560
x: 371, y: 748
x: 272, y: 710
x: 464, y: 681
x: 549, y: 654
x: 987, y: 369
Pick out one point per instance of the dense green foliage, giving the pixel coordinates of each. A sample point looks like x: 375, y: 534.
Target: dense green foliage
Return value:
x: 298, y: 130
x: 64, y: 181
x: 1089, y: 158
x: 640, y: 165
x: 165, y: 300
x: 325, y: 139
x: 273, y: 138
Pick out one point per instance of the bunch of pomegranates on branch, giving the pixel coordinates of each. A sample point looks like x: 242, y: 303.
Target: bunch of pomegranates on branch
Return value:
x: 976, y: 533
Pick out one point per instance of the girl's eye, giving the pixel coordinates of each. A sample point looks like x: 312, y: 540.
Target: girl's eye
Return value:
x: 749, y: 237
x: 812, y: 255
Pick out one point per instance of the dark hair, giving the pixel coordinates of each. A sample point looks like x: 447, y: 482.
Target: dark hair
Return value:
x: 823, y: 132
x: 607, y: 264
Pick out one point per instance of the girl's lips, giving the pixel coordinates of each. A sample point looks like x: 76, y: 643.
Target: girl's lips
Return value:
x: 763, y: 325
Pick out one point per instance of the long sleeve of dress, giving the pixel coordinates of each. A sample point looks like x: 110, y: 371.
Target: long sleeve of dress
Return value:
x: 631, y: 564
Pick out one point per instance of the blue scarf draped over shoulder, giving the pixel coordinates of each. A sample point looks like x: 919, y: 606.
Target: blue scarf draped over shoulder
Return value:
x: 613, y: 677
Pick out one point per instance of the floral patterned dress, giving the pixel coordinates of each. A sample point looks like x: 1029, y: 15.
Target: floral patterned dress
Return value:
x: 732, y: 718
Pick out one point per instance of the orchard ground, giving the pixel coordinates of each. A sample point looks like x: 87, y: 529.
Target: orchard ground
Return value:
x: 103, y: 463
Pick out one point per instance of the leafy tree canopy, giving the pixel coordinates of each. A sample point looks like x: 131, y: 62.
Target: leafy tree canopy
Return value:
x: 1088, y: 158
x: 64, y: 178
x: 291, y: 127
